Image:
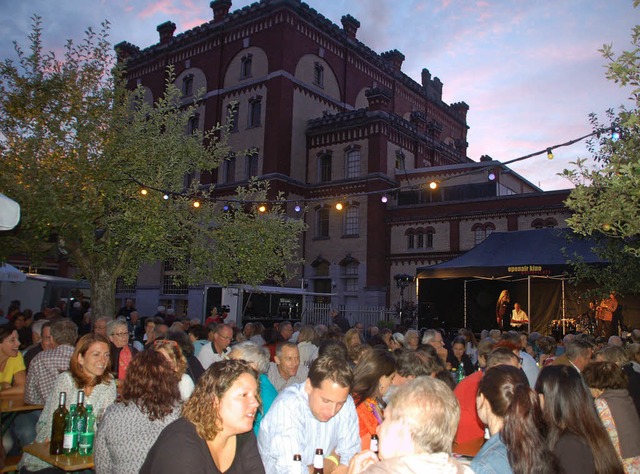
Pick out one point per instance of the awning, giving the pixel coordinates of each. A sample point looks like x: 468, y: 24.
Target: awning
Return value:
x: 11, y: 273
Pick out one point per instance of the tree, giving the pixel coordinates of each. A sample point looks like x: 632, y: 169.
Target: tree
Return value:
x: 78, y: 150
x: 606, y: 198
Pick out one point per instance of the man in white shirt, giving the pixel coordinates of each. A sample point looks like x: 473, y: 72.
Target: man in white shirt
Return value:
x: 518, y: 317
x: 318, y: 413
x: 219, y: 347
x: 286, y: 370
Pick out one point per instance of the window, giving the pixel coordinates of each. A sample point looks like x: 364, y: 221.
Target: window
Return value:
x: 233, y: 111
x: 353, y: 162
x: 255, y: 112
x: 245, y: 66
x: 229, y: 169
x: 537, y: 224
x: 400, y: 159
x: 550, y: 222
x: 170, y: 283
x: 351, y: 276
x: 420, y: 235
x: 251, y: 162
x: 194, y: 124
x: 351, y: 221
x: 324, y: 167
x: 187, y: 85
x: 411, y: 239
x: 318, y: 74
x: 429, y: 238
x: 322, y: 222
x: 482, y: 231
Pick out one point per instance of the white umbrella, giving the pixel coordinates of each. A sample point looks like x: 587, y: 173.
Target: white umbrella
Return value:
x: 9, y: 213
x: 10, y: 273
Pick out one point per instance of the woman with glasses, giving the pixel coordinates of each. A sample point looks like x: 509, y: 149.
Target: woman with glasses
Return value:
x: 121, y: 351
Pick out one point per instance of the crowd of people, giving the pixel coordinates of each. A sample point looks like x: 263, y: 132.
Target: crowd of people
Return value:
x: 173, y: 395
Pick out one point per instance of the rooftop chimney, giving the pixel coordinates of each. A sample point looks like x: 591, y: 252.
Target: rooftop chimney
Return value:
x: 166, y: 30
x: 350, y: 25
x: 379, y: 98
x: 124, y: 50
x: 395, y: 57
x: 220, y: 9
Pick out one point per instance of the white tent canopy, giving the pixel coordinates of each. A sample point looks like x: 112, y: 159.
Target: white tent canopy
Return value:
x: 11, y: 273
x: 9, y: 213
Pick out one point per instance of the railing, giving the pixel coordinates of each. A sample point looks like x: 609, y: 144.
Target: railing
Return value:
x: 316, y: 313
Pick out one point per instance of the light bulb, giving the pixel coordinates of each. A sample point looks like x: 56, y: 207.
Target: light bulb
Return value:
x: 297, y: 208
x: 262, y: 208
x: 143, y: 192
x: 433, y: 185
x: 196, y: 204
x: 549, y: 154
x: 165, y: 197
x: 339, y: 206
x: 384, y: 199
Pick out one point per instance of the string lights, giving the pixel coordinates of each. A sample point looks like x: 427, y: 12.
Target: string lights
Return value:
x: 384, y: 194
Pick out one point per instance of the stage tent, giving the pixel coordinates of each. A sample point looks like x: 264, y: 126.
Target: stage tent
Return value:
x: 532, y: 264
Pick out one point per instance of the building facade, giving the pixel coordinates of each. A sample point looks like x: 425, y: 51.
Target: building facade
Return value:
x: 327, y: 120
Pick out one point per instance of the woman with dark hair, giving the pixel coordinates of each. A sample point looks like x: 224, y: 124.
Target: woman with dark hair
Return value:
x: 194, y: 367
x: 13, y: 375
x: 510, y: 409
x: 214, y: 434
x: 458, y: 358
x: 150, y: 401
x: 574, y: 432
x: 608, y: 385
x: 372, y: 377
x: 88, y: 371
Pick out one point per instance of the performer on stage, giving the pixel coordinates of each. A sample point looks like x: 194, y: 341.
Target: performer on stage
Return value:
x: 502, y: 309
x: 519, y: 319
x: 604, y: 315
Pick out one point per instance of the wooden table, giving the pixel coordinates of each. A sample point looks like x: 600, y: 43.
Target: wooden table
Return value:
x: 72, y: 462
x: 12, y: 405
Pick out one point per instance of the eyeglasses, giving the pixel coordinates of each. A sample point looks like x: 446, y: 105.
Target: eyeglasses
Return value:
x: 120, y: 334
x: 223, y: 337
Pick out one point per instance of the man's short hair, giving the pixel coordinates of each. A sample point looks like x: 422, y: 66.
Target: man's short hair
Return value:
x: 429, y: 335
x: 280, y: 347
x: 500, y: 356
x: 334, y: 369
x: 579, y: 347
x: 416, y: 363
x: 495, y: 334
x: 429, y: 410
x: 64, y: 331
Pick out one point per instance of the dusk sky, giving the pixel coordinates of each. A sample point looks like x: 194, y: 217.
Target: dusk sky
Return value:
x: 530, y: 71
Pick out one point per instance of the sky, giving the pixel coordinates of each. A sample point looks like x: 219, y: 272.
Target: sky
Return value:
x: 530, y: 71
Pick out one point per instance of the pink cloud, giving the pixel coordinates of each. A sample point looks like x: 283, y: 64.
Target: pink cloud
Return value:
x: 161, y: 6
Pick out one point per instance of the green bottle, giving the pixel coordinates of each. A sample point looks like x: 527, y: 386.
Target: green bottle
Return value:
x: 58, y: 425
x: 70, y: 442
x: 87, y: 435
x: 460, y: 374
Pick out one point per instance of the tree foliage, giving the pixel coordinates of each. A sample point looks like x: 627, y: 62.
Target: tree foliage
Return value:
x: 606, y: 198
x: 76, y: 149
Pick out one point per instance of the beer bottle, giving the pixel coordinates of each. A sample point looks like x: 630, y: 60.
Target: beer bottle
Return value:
x: 318, y: 462
x: 296, y: 467
x: 58, y: 425
x: 374, y: 443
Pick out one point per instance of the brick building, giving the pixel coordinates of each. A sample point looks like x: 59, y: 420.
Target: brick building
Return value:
x: 329, y: 120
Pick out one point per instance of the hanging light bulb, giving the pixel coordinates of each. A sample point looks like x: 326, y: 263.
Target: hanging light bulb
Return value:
x: 615, y: 133
x: 262, y: 208
x: 165, y: 197
x: 339, y: 206
x: 196, y: 204
x: 492, y: 176
x: 384, y: 199
x: 143, y: 192
x: 549, y: 154
x: 297, y: 208
x: 225, y: 208
x: 433, y: 184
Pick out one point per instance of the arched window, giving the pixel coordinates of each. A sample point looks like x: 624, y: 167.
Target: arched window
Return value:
x: 352, y: 221
x: 245, y: 66
x: 322, y: 222
x: 482, y: 231
x: 251, y: 164
x: 537, y: 224
x: 352, y: 165
x: 318, y: 74
x: 255, y: 112
x: 550, y: 222
x: 420, y: 238
x: 429, y: 231
x: 411, y: 239
x: 324, y: 167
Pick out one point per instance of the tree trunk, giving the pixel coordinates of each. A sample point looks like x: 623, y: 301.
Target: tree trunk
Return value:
x: 103, y: 295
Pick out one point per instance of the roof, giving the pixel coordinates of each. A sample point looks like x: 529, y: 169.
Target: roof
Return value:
x: 542, y: 252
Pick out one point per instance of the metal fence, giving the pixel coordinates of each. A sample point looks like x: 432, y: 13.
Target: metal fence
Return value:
x: 316, y: 313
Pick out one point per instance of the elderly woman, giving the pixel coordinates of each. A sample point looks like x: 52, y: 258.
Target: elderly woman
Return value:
x: 13, y: 375
x: 128, y: 429
x: 89, y: 371
x: 258, y: 358
x: 214, y: 434
x: 172, y: 352
x: 306, y: 348
x: 121, y: 351
x: 412, y: 338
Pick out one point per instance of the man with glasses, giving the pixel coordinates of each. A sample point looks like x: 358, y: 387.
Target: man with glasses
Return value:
x: 434, y: 338
x: 219, y: 347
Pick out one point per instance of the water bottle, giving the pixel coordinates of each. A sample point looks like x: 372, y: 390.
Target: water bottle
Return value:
x: 86, y: 437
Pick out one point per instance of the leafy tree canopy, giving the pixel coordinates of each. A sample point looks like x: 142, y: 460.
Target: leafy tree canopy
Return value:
x: 76, y: 147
